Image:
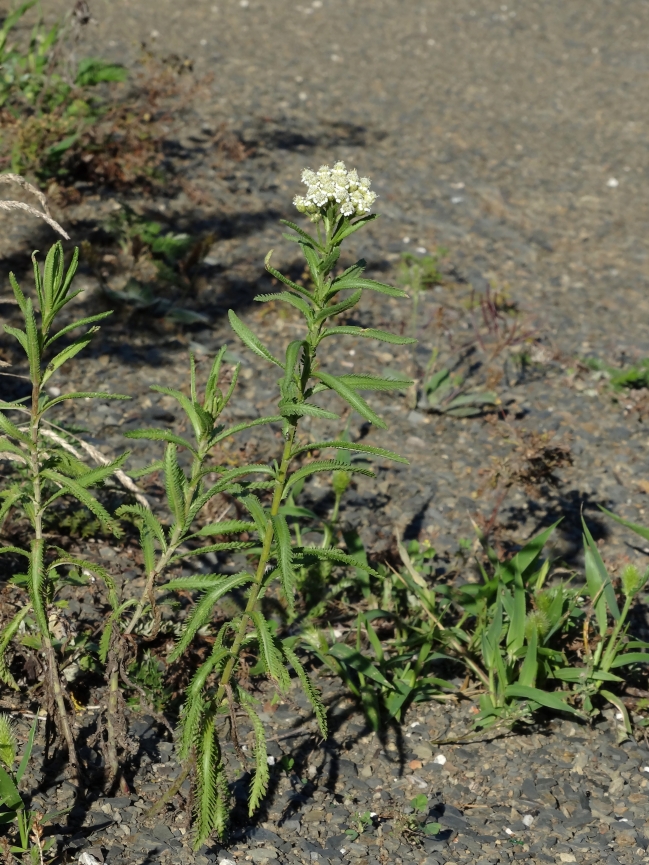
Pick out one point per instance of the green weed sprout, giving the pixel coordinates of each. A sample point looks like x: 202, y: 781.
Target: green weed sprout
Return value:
x: 49, y: 469
x: 338, y: 203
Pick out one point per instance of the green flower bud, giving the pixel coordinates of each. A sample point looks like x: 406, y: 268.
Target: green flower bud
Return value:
x: 631, y: 580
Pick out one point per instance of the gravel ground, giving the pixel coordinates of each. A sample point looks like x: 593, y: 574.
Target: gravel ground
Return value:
x: 511, y: 136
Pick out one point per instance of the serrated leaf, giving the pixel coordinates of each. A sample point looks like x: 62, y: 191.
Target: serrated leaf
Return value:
x: 351, y: 398
x: 83, y: 395
x: 303, y: 234
x: 175, y: 484
x: 80, y: 323
x: 372, y: 382
x: 219, y: 436
x: 225, y: 527
x: 155, y: 434
x: 284, y: 553
x: 312, y: 693
x: 333, y: 555
x: 248, y: 337
x: 10, y: 429
x: 322, y: 466
x: 68, y: 353
x: 149, y: 519
x: 95, y: 476
x: 337, y: 308
x: 367, y: 333
x: 350, y: 446
x: 303, y: 409
x: 213, y: 548
x: 82, y: 495
x: 286, y: 297
x: 269, y: 652
x: 203, y: 610
x: 261, y: 777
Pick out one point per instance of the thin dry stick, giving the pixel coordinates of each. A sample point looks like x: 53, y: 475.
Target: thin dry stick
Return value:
x: 98, y: 457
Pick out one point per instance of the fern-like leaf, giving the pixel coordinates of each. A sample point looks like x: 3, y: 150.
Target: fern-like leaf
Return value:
x: 312, y: 693
x: 269, y: 653
x: 261, y: 777
x: 203, y: 610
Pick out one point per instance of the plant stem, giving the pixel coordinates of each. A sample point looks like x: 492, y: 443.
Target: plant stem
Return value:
x: 37, y: 580
x: 280, y: 482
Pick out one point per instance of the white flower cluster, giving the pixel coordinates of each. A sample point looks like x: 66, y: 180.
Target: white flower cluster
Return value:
x: 351, y: 193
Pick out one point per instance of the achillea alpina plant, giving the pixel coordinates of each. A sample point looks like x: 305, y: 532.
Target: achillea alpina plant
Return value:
x: 339, y: 202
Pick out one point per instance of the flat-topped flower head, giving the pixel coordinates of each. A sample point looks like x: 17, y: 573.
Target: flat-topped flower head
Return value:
x: 351, y: 194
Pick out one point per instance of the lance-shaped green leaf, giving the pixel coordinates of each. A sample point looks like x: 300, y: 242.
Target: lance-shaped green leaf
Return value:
x: 312, y: 693
x: 175, y: 484
x: 284, y: 553
x: 543, y: 698
x: 630, y: 658
x: 621, y: 708
x: 33, y: 343
x: 371, y: 285
x: 639, y: 530
x: 260, y: 779
x: 21, y: 300
x: 81, y: 494
x: 286, y: 297
x: 598, y: 581
x: 349, y: 446
x: 323, y: 466
x: 68, y: 353
x: 348, y: 227
x: 354, y: 659
x: 202, y: 612
x: 270, y: 654
x: 313, y: 261
x: 288, y: 282
x: 302, y: 234
x: 12, y: 430
x: 199, y: 418
x: 213, y: 548
x: 307, y: 554
x: 248, y: 337
x: 367, y: 333
x: 225, y: 527
x: 302, y: 409
x: 373, y: 382
x: 219, y: 436
x: 257, y: 512
x: 156, y: 466
x: 530, y: 666
x: 83, y: 395
x: 11, y: 496
x: 148, y: 517
x: 27, y: 753
x: 80, y: 323
x: 96, y: 476
x: 351, y: 398
x: 155, y: 434
x: 337, y: 308
x: 20, y: 335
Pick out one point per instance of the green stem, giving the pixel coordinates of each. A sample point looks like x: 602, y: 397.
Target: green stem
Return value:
x: 278, y: 492
x: 37, y: 579
x: 175, y: 541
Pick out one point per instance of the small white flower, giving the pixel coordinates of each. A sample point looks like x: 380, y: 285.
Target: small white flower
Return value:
x: 508, y: 831
x: 612, y: 182
x: 328, y: 185
x: 270, y: 760
x: 440, y: 759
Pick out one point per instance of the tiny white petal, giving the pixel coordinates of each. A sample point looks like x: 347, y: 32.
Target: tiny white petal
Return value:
x: 440, y: 759
x: 612, y: 182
